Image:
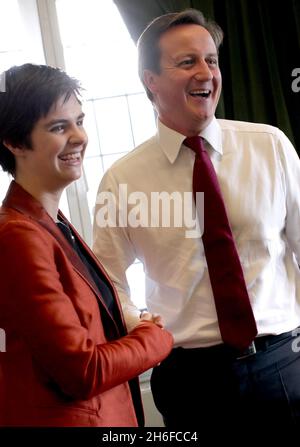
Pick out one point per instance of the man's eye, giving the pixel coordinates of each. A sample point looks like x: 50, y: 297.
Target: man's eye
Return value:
x: 80, y: 122
x: 212, y: 61
x: 186, y: 63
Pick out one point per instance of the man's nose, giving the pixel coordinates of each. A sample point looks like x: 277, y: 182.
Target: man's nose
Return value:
x: 203, y: 72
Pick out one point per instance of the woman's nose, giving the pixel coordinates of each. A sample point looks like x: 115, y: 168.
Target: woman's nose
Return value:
x: 78, y: 135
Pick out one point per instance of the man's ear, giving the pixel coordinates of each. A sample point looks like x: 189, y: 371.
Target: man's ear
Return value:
x: 150, y: 81
x: 17, y: 151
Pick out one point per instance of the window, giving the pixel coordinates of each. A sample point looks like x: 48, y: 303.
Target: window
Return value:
x: 98, y: 50
x: 25, y: 45
x: 17, y: 48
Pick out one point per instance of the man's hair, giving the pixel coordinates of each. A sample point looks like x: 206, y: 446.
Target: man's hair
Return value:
x: 148, y: 42
x: 28, y: 95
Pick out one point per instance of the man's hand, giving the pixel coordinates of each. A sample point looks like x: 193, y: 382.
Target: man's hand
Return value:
x: 155, y: 318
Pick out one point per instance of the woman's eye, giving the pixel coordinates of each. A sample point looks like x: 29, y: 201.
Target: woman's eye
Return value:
x: 57, y: 129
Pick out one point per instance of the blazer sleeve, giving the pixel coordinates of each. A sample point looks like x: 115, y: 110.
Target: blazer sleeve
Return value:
x: 35, y: 305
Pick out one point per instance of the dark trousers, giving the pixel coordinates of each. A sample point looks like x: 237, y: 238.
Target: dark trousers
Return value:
x: 210, y: 389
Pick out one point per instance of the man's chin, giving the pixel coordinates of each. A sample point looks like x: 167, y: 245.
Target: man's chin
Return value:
x: 201, y: 121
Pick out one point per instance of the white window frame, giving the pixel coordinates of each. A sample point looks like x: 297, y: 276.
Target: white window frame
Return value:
x: 54, y: 56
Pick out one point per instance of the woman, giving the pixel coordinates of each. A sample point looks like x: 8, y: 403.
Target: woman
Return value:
x: 68, y: 359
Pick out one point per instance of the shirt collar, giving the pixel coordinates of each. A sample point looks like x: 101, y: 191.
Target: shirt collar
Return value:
x: 213, y: 135
x: 170, y: 141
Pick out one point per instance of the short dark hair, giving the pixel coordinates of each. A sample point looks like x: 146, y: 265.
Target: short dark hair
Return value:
x: 29, y: 93
x: 148, y: 49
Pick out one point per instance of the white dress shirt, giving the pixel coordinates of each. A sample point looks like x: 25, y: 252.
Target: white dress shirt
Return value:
x: 259, y: 175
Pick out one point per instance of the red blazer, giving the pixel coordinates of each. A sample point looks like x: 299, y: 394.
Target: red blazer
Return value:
x: 61, y: 368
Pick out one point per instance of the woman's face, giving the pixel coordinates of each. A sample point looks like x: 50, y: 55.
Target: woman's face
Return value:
x: 58, y: 143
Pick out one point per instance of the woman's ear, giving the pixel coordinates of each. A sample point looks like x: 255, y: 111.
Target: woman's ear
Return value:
x: 17, y: 151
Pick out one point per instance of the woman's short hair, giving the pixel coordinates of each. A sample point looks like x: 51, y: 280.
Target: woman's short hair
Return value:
x: 29, y: 93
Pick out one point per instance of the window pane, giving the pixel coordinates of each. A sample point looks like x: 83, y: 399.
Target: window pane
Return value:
x: 5, y: 180
x: 90, y: 125
x: 93, y: 172
x: 94, y: 35
x: 20, y: 42
x: 142, y: 117
x: 20, y: 38
x: 63, y: 205
x: 108, y: 160
x: 113, y: 125
x: 136, y: 280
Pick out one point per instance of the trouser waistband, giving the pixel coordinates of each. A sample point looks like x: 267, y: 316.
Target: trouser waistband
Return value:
x: 260, y: 343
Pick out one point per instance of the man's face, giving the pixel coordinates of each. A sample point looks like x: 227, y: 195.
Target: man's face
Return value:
x: 187, y: 90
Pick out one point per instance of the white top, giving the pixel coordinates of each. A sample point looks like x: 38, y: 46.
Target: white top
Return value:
x: 259, y: 174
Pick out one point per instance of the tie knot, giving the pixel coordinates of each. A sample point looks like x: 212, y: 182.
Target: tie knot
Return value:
x: 195, y: 143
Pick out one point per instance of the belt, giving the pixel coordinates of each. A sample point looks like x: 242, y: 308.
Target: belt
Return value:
x: 262, y: 343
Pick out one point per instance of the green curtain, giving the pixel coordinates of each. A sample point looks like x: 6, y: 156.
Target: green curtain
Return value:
x: 260, y: 50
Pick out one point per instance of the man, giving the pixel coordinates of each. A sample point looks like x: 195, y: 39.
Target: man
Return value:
x: 258, y: 174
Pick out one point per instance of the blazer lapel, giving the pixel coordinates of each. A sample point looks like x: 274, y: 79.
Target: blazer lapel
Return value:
x: 99, y: 266
x: 20, y: 200
x: 80, y: 267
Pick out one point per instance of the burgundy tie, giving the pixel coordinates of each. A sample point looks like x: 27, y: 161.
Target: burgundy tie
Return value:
x: 235, y: 316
